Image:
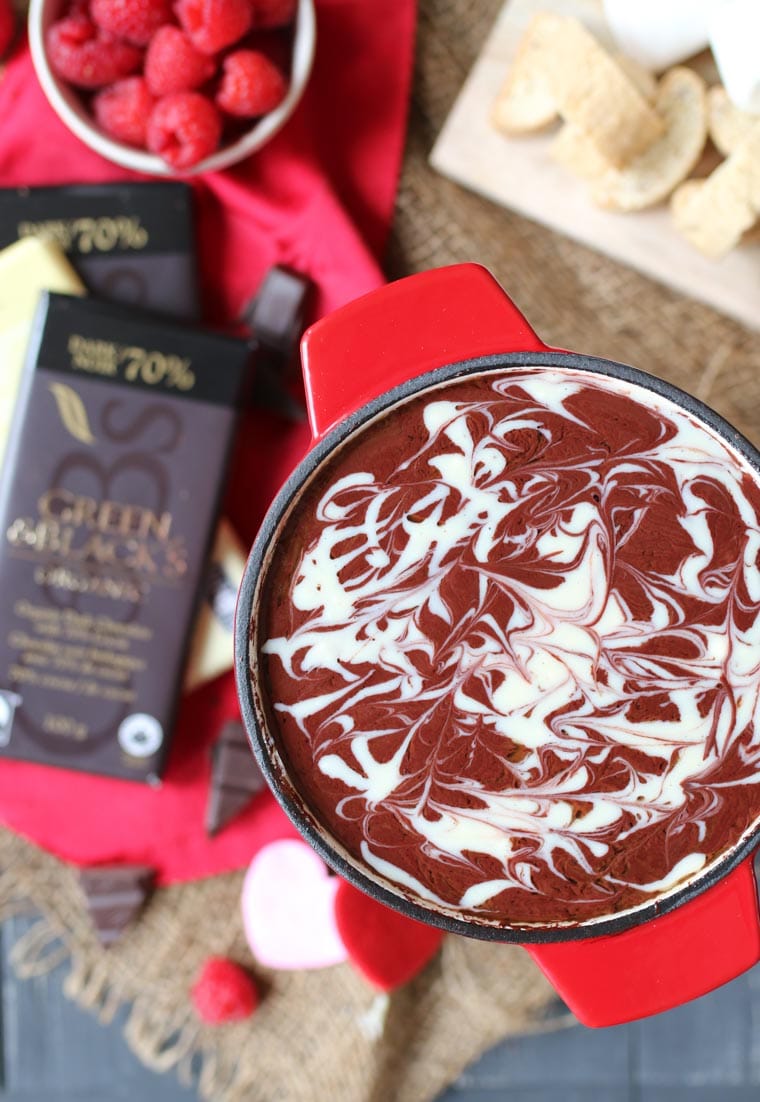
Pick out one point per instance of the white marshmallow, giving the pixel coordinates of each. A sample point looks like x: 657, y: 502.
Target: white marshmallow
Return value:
x: 659, y: 33
x: 734, y: 33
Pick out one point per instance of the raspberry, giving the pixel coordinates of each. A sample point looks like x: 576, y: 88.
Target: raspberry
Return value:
x: 184, y: 128
x: 78, y: 54
x: 223, y: 992
x: 252, y: 85
x: 213, y: 24
x: 135, y: 20
x: 274, y: 13
x: 172, y: 63
x: 7, y: 26
x: 123, y: 110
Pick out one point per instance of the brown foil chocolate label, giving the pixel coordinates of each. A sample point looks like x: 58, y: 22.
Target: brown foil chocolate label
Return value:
x: 130, y: 363
x: 72, y: 412
x: 90, y: 235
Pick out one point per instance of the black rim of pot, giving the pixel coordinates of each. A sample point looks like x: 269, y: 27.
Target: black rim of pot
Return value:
x: 263, y: 744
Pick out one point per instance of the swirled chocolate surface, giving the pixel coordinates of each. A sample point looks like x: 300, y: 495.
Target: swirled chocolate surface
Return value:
x: 509, y: 646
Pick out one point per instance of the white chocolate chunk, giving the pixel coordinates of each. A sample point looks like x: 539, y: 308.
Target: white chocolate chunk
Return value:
x: 27, y: 268
x: 212, y: 648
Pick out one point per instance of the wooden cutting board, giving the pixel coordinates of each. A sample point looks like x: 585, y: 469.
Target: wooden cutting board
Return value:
x: 520, y: 174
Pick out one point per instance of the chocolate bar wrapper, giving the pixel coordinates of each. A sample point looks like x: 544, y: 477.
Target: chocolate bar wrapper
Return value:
x: 130, y: 243
x: 107, y: 504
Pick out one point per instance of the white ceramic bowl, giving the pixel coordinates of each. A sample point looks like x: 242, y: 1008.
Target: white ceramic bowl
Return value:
x: 68, y: 106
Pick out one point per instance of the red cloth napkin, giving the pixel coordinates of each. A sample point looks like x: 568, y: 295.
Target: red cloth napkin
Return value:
x: 318, y: 197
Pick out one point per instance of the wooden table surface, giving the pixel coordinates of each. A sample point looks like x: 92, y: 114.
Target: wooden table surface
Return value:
x: 708, y: 1051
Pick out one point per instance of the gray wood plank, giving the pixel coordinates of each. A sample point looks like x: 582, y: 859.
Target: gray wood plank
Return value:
x: 753, y: 1056
x: 698, y: 1094
x: 705, y: 1043
x: 54, y: 1051
x: 158, y: 1093
x: 708, y: 1050
x: 704, y: 1052
x: 543, y: 1094
x: 571, y: 1057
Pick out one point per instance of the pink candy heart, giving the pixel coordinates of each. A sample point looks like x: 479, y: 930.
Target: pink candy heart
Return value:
x: 289, y: 908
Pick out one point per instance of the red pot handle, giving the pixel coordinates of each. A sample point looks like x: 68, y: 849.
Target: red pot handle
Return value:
x: 662, y: 963
x: 404, y: 330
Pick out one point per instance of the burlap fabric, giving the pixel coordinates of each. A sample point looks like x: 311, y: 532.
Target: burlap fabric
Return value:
x: 326, y: 1035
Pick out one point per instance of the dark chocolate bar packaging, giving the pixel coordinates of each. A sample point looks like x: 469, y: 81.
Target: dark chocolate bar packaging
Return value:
x: 107, y: 503
x: 131, y: 243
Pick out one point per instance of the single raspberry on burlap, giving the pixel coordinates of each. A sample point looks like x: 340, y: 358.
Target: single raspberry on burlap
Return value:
x: 223, y: 992
x: 123, y: 110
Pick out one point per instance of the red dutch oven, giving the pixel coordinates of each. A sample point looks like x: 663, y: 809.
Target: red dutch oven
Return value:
x: 364, y: 358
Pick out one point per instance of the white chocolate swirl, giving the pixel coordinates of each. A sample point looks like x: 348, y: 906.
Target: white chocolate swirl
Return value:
x: 518, y: 667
